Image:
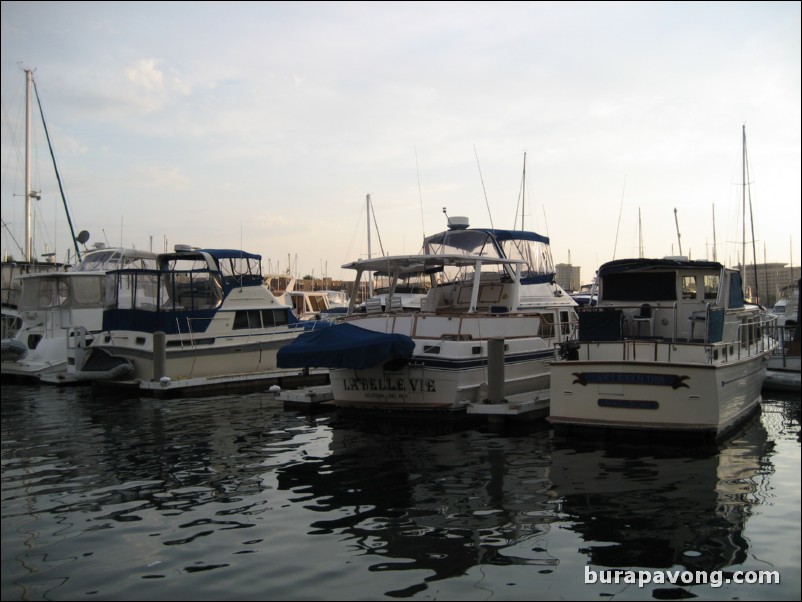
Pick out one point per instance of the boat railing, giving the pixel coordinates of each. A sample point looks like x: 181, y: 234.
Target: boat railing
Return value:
x: 604, y: 340
x: 787, y: 341
x: 672, y: 321
x: 757, y: 335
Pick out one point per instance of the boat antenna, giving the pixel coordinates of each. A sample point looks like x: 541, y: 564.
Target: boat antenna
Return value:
x: 483, y: 186
x: 640, y: 236
x: 676, y: 222
x: 55, y: 167
x: 620, y: 210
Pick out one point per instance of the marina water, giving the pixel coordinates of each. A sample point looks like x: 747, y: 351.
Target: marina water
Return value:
x: 236, y: 498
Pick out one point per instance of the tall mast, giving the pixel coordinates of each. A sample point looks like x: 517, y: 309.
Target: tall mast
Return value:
x: 743, y: 220
x: 28, y: 235
x: 523, y: 196
x: 370, y: 278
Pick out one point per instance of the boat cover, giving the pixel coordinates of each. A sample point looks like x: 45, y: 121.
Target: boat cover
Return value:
x: 345, y: 346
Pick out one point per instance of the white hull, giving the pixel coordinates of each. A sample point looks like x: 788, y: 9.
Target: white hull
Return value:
x: 662, y: 396
x: 418, y: 385
x: 187, y: 359
x: 449, y: 367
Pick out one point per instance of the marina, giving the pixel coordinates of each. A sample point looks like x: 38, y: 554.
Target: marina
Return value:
x: 235, y: 497
x: 580, y: 384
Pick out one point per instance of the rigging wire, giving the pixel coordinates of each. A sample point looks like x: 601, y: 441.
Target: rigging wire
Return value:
x: 58, y: 175
x: 483, y: 186
x: 378, y: 233
x: 620, y: 210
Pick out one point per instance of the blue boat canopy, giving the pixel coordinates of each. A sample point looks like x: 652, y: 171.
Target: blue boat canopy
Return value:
x: 345, y: 346
x: 231, y: 254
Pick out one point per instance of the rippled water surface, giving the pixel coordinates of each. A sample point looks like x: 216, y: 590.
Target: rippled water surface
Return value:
x: 234, y: 498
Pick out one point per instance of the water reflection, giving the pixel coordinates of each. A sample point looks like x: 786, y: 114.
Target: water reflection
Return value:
x: 416, y: 500
x: 233, y: 497
x: 448, y: 503
x: 662, y: 506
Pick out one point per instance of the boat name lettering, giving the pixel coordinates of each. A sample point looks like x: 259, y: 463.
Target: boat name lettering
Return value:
x: 622, y: 378
x: 414, y: 385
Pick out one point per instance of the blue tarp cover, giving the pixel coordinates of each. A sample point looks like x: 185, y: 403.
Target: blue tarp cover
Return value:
x: 344, y: 346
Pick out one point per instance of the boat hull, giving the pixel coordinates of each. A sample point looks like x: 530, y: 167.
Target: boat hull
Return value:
x: 185, y: 358
x: 454, y: 376
x: 651, y: 396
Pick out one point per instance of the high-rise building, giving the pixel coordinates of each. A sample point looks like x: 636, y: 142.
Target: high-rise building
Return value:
x: 770, y: 280
x: 568, y: 276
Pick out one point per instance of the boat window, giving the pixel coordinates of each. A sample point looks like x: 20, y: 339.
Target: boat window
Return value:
x: 274, y: 317
x: 639, y: 286
x: 711, y: 286
x: 87, y: 292
x: 249, y: 318
x: 565, y: 322
x: 124, y: 284
x: 40, y: 293
x: 689, y: 287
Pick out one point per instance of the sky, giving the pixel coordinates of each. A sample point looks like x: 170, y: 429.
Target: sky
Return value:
x: 264, y: 126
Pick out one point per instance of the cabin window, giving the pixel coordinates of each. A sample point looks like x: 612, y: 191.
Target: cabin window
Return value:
x: 689, y: 287
x: 40, y: 293
x: 546, y: 325
x: 565, y: 322
x: 274, y: 317
x: 249, y: 318
x: 639, y: 286
x: 711, y: 286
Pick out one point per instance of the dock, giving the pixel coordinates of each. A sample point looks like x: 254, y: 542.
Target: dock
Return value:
x: 167, y: 387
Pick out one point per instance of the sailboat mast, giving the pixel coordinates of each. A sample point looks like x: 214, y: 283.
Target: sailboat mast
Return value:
x: 523, y: 196
x: 28, y: 234
x: 743, y: 220
x: 370, y: 278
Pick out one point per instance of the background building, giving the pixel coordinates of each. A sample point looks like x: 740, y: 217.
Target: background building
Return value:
x: 771, y: 278
x: 568, y: 276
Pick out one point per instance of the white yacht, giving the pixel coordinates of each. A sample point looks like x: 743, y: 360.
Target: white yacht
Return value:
x: 60, y: 312
x: 670, y: 345
x: 485, y: 331
x: 199, y: 314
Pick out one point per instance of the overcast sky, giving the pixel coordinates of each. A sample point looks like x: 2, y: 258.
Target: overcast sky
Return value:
x: 263, y: 126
